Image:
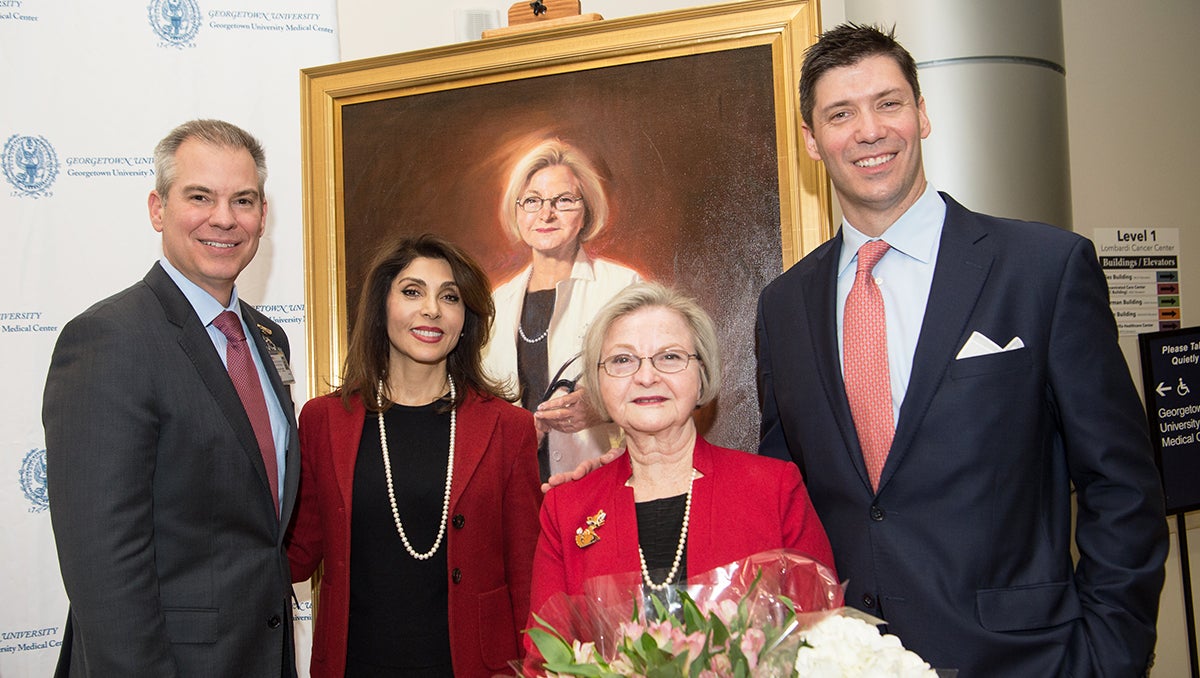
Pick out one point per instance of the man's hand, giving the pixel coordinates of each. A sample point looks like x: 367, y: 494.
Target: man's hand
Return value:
x: 586, y: 467
x: 567, y: 413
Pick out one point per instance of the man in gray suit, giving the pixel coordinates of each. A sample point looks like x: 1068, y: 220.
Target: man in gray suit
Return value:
x: 169, y: 474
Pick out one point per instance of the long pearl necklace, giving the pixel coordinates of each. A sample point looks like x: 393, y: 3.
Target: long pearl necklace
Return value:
x: 687, y: 513
x: 387, y: 470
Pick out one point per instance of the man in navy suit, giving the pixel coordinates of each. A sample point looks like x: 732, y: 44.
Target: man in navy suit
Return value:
x: 1008, y: 394
x: 168, y: 518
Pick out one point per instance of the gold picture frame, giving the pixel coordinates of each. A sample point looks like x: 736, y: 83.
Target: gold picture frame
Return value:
x: 694, y: 113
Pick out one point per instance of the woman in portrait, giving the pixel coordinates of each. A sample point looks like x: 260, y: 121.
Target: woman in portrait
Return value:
x: 419, y: 489
x: 674, y: 505
x: 553, y: 204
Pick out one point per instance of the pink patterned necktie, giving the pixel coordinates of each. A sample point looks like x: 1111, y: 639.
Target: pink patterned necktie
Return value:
x: 249, y: 388
x: 864, y: 348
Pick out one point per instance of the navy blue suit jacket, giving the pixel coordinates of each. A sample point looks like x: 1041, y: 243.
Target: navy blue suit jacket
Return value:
x: 965, y: 550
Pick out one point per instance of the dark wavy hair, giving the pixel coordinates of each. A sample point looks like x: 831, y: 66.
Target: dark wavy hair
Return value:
x: 367, y: 359
x: 846, y: 45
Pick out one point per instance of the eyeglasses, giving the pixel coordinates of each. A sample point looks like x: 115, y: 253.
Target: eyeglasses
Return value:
x: 667, y: 362
x: 564, y: 202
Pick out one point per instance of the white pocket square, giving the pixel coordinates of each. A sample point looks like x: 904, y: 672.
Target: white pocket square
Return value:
x: 978, y: 345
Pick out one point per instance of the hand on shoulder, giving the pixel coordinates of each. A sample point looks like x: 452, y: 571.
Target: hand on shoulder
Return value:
x: 584, y: 468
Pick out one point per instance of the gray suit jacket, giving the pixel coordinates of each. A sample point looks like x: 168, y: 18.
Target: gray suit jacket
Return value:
x: 170, y: 549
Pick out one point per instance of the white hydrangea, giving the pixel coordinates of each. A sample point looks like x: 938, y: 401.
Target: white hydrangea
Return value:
x: 846, y: 647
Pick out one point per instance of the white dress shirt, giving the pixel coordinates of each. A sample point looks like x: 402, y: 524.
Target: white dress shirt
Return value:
x: 208, y: 308
x: 904, y: 276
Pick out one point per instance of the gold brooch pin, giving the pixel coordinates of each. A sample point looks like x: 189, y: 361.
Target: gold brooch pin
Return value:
x: 586, y: 536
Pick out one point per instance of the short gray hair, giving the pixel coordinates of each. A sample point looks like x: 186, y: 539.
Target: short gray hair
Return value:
x: 652, y: 295
x: 212, y: 132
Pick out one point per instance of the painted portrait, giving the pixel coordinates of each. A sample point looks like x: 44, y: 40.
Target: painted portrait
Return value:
x: 693, y: 151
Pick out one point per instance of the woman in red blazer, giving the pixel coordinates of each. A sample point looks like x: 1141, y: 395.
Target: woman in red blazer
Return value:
x: 674, y: 505
x: 415, y: 450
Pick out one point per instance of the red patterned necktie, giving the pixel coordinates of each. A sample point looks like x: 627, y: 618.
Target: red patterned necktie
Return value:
x: 246, y: 381
x: 864, y: 345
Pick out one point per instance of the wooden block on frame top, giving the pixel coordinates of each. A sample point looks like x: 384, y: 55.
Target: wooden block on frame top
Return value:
x: 521, y: 17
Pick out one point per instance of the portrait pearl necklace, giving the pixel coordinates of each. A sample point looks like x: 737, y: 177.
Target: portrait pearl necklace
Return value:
x: 387, y: 470
x: 521, y: 330
x: 687, y: 512
x: 525, y: 338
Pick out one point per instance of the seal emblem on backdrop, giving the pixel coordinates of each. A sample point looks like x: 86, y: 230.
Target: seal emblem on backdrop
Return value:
x: 30, y: 164
x: 33, y: 480
x: 175, y: 21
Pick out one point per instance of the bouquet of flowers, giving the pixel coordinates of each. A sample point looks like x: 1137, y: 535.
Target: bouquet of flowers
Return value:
x: 774, y: 614
x: 849, y: 644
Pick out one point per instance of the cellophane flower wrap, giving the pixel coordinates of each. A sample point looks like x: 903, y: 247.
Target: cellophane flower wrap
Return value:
x: 741, y: 619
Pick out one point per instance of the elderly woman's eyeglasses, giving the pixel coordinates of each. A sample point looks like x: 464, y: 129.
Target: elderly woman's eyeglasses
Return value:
x: 564, y: 202
x: 667, y: 362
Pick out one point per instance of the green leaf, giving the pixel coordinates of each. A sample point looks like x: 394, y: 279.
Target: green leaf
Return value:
x: 791, y: 606
x: 701, y: 661
x: 549, y: 629
x: 665, y: 671
x: 553, y: 648
x: 720, y: 632
x: 693, y: 621
x: 649, y: 650
x: 660, y: 610
x: 572, y: 669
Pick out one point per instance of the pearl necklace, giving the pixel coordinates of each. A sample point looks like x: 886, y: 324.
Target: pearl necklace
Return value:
x: 687, y: 512
x: 387, y: 470
x: 525, y: 338
x: 521, y: 330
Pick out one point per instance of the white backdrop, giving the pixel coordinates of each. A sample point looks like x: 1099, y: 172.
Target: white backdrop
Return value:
x: 88, y: 89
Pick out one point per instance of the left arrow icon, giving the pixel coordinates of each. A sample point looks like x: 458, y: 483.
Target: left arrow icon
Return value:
x: 1162, y: 389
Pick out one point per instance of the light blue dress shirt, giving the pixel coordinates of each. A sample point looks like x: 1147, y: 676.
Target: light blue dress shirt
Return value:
x: 904, y: 276
x: 208, y: 308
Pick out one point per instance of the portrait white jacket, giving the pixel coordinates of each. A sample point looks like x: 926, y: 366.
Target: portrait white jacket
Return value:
x: 593, y: 282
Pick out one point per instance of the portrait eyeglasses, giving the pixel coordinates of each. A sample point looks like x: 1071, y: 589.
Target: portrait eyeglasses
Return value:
x: 564, y: 202
x: 667, y: 362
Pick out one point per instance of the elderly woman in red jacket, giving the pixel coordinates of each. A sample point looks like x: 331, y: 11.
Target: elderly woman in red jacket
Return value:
x: 419, y: 484
x: 675, y: 504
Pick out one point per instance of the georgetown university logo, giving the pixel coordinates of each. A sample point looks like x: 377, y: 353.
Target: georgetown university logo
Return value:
x: 30, y: 164
x: 33, y: 480
x: 175, y: 21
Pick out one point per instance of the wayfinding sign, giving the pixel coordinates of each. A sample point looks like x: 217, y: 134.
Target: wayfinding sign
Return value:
x: 1171, y: 377
x: 1142, y: 268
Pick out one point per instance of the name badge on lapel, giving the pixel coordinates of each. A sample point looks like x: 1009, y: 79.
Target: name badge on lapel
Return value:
x: 277, y: 357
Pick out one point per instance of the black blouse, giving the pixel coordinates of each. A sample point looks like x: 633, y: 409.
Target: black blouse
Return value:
x: 399, y: 605
x: 659, y: 524
x: 533, y: 361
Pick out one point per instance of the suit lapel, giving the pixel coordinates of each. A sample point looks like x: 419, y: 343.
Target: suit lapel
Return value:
x: 820, y: 290
x: 197, y: 345
x: 291, y: 474
x: 963, y: 263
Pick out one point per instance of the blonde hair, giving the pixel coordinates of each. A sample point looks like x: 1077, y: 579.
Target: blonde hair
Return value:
x: 652, y: 295
x: 551, y: 153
